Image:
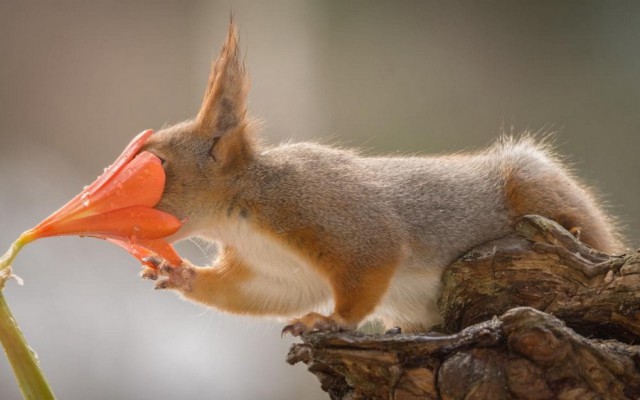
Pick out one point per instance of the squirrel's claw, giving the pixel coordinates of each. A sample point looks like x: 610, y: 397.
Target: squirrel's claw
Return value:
x: 295, y: 329
x: 312, y: 322
x: 156, y: 262
x: 154, y: 267
x: 149, y: 273
x: 164, y: 284
x: 179, y: 278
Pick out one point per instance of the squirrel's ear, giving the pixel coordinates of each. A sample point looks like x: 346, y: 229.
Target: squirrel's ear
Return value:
x: 222, y: 117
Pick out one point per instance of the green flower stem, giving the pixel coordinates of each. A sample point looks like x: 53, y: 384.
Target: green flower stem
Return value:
x: 31, y: 380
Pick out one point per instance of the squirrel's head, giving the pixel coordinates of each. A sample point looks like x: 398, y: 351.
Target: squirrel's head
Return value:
x: 205, y: 157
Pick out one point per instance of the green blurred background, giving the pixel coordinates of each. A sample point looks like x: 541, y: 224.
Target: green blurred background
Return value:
x: 79, y: 79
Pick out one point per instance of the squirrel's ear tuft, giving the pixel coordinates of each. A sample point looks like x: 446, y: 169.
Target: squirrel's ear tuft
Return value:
x: 223, y: 112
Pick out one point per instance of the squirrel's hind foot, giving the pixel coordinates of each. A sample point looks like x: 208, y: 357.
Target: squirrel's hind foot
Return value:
x: 314, y: 322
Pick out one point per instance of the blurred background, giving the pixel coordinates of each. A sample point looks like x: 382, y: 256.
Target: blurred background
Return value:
x: 79, y: 79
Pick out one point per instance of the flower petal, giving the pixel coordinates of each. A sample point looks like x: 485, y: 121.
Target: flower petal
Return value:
x: 118, y: 206
x: 146, y: 248
x: 78, y: 204
x: 127, y: 155
x: 125, y: 223
x: 140, y: 183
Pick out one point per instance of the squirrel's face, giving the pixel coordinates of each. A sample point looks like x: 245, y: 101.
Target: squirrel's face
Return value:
x: 204, y: 157
x: 202, y: 171
x: 187, y: 166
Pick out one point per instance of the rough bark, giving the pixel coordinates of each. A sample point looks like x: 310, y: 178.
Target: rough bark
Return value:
x: 546, y: 268
x: 524, y: 353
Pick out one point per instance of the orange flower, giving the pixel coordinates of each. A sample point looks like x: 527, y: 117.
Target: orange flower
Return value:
x: 118, y: 206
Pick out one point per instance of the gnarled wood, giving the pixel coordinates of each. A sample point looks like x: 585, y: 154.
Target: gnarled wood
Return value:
x: 546, y: 268
x: 524, y: 353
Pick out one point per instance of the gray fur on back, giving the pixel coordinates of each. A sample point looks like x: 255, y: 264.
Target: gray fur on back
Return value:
x: 439, y: 206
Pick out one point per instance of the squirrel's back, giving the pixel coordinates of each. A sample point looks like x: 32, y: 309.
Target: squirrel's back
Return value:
x: 474, y: 197
x: 444, y: 204
x: 424, y: 212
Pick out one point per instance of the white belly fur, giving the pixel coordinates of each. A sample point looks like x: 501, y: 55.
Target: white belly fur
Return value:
x: 286, y: 281
x: 412, y: 296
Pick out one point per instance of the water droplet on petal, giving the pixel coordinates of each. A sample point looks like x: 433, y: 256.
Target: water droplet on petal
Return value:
x: 85, y: 200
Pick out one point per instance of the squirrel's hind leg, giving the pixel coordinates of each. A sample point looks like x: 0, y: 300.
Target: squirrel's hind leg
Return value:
x: 356, y: 291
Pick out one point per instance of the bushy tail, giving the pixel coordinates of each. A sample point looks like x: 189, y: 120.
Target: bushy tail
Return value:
x: 537, y: 181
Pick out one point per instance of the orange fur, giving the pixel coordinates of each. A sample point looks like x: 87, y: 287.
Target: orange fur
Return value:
x: 357, y: 287
x: 547, y: 195
x: 218, y: 285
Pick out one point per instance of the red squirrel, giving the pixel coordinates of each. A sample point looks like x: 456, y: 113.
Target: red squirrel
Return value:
x: 303, y: 228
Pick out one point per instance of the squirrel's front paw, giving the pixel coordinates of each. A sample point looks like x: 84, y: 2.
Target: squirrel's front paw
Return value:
x: 178, y: 278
